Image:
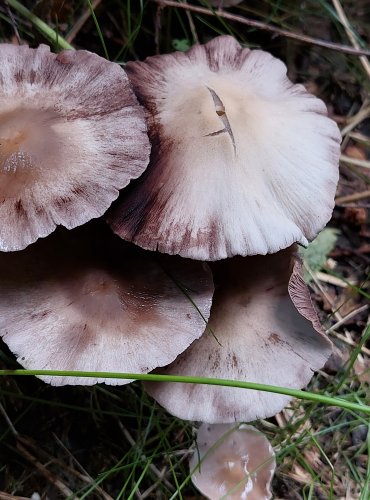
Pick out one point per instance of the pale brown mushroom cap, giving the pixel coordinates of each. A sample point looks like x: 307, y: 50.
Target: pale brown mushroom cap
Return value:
x: 86, y: 300
x: 232, y: 461
x: 243, y: 162
x: 262, y: 329
x: 72, y: 134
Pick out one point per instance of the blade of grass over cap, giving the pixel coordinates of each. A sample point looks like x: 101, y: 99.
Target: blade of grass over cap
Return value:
x: 42, y: 27
x: 309, y: 396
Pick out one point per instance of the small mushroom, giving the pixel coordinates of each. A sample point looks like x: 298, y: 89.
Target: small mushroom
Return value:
x: 239, y: 154
x: 263, y: 328
x: 72, y: 134
x: 86, y: 300
x: 232, y: 461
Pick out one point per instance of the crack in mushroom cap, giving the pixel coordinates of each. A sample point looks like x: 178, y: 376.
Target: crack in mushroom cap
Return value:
x: 237, y: 462
x: 263, y: 328
x: 243, y: 161
x: 72, y: 134
x: 86, y: 300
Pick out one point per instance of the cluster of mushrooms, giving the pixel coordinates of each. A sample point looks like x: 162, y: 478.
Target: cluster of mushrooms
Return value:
x: 212, y: 155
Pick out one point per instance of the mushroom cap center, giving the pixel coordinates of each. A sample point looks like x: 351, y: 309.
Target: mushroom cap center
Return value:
x: 226, y: 117
x: 201, y: 104
x: 98, y: 286
x: 104, y: 296
x: 28, y: 143
x: 231, y: 117
x: 97, y: 289
x: 232, y: 470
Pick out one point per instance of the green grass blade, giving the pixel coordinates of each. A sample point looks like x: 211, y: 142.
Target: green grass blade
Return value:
x: 99, y: 31
x: 42, y: 27
x: 151, y: 377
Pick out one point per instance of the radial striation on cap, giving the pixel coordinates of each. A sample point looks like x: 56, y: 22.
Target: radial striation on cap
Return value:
x: 243, y: 162
x: 86, y: 300
x: 72, y: 134
x: 263, y: 328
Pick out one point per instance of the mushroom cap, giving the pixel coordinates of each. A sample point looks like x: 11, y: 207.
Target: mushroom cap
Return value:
x: 86, y: 300
x: 262, y: 329
x: 243, y: 162
x: 232, y: 461
x: 72, y: 134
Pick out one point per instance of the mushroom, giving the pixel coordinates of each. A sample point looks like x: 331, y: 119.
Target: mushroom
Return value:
x: 72, y: 134
x: 232, y: 461
x: 86, y: 300
x: 239, y: 154
x: 263, y: 329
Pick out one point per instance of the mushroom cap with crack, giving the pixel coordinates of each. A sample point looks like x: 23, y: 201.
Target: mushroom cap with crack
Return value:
x: 86, y: 300
x: 72, y: 134
x: 243, y: 162
x: 262, y: 329
x: 232, y: 461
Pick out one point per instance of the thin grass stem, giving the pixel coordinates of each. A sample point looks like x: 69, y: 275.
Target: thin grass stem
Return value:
x: 151, y: 377
x: 42, y: 27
